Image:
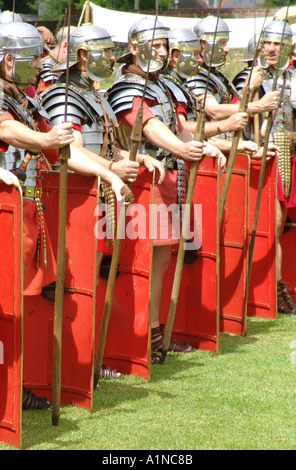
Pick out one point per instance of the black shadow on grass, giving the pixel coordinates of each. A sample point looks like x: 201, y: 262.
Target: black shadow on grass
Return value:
x: 255, y: 328
x: 41, y: 420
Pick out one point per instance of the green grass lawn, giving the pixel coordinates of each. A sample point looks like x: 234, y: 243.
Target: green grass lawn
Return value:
x: 243, y: 398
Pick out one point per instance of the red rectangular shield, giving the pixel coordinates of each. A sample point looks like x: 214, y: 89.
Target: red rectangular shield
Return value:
x: 234, y: 249
x: 11, y: 312
x: 126, y: 347
x: 262, y: 291
x: 288, y: 243
x: 196, y: 317
x: 79, y: 301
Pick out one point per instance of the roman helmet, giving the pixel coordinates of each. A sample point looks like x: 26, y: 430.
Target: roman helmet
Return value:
x: 187, y: 43
x: 278, y: 32
x: 9, y: 16
x: 293, y: 27
x: 23, y: 42
x: 213, y: 32
x: 140, y: 34
x: 252, y: 44
x: 94, y: 40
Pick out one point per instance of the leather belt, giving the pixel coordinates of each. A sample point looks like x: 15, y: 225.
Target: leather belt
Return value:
x: 32, y: 192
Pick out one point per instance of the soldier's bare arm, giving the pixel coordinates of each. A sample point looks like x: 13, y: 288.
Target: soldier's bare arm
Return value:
x: 159, y: 135
x: 20, y: 136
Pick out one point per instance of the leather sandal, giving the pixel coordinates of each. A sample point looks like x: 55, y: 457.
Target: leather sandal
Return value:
x: 285, y: 302
x: 155, y: 359
x: 32, y: 402
x: 109, y: 374
x: 157, y: 335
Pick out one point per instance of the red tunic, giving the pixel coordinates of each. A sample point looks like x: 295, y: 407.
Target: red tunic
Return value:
x: 102, y: 244
x: 166, y: 193
x: 35, y: 277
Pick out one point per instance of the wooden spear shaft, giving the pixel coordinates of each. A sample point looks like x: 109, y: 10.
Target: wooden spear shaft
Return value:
x: 136, y: 136
x: 230, y: 164
x: 199, y: 135
x: 258, y: 199
x: 59, y: 293
x: 64, y: 155
x: 237, y: 135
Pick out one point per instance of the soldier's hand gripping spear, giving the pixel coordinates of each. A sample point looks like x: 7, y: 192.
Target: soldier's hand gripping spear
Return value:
x: 243, y: 107
x: 64, y: 156
x: 136, y: 137
x: 263, y: 165
x: 198, y: 136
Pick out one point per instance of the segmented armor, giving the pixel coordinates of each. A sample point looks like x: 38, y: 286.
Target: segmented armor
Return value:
x: 163, y: 94
x: 217, y: 85
x: 90, y: 111
x: 47, y: 74
x: 170, y: 74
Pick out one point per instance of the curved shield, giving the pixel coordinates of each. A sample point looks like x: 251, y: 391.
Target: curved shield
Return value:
x: 127, y: 346
x: 262, y: 291
x: 288, y: 243
x: 11, y: 306
x: 234, y: 250
x: 79, y: 300
x: 196, y: 317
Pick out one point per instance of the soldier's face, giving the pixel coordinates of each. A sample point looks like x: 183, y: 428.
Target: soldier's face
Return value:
x: 198, y: 56
x: 160, y: 45
x: 271, y: 52
x: 109, y: 54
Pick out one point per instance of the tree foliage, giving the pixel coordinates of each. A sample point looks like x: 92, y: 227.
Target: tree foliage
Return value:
x: 54, y: 8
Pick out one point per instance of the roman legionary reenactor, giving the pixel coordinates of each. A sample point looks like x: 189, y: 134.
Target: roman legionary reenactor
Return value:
x: 28, y: 145
x: 214, y: 49
x: 283, y: 127
x: 183, y: 66
x: 163, y: 138
x: 91, y: 60
x: 54, y: 56
x: 20, y: 53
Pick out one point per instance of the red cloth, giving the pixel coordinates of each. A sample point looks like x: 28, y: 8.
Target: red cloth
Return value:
x: 290, y: 201
x: 164, y: 194
x: 128, y: 117
x: 30, y: 91
x: 102, y: 244
x: 36, y: 276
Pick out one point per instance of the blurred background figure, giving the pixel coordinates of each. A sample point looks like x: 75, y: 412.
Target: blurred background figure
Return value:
x: 55, y: 54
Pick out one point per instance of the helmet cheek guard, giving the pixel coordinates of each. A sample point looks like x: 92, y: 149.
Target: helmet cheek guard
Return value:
x: 23, y: 73
x: 148, y: 57
x: 188, y: 44
x: 187, y: 65
x: 98, y: 66
x: 141, y: 34
x: 213, y: 30
x: 214, y: 54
